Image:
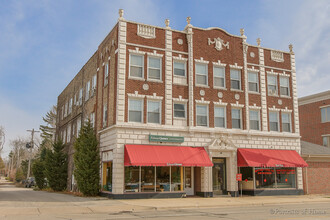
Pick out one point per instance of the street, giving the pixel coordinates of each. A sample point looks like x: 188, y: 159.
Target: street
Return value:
x: 21, y: 203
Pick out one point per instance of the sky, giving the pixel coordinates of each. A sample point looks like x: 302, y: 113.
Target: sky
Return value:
x: 44, y: 43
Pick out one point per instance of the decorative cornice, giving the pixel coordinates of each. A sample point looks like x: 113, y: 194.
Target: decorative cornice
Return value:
x: 254, y: 106
x: 272, y: 72
x: 237, y: 105
x: 136, y: 51
x: 252, y: 69
x: 155, y: 54
x: 154, y: 96
x: 135, y: 95
x: 284, y: 74
x: 220, y: 103
x: 286, y: 110
x: 202, y: 101
x: 201, y: 60
x: 180, y: 99
x: 276, y: 56
x: 235, y: 66
x: 146, y: 31
x: 180, y: 58
x: 219, y: 64
x: 274, y: 109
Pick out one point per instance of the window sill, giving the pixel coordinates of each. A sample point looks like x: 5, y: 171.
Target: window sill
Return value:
x: 255, y: 93
x: 136, y: 78
x: 203, y: 86
x: 221, y: 88
x: 273, y: 95
x: 236, y: 90
x: 285, y: 96
x: 182, y: 77
x: 155, y: 80
x: 180, y: 84
x: 183, y: 119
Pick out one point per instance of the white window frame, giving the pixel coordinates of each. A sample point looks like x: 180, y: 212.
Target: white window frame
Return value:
x: 92, y: 119
x: 185, y: 110
x: 327, y: 138
x: 160, y: 111
x: 88, y: 86
x: 276, y: 85
x: 68, y: 136
x: 160, y: 68
x: 70, y: 106
x: 241, y: 118
x: 78, y: 126
x: 287, y: 78
x: 290, y: 122
x: 66, y: 109
x: 62, y: 112
x: 130, y: 58
x: 106, y: 73
x: 142, y: 109
x: 224, y: 77
x: 326, y: 109
x: 256, y: 73
x: 278, y: 120
x: 185, y: 68
x: 258, y: 111
x: 206, y: 74
x: 207, y: 115
x: 225, y: 115
x: 105, y: 115
x: 80, y: 96
x: 240, y: 79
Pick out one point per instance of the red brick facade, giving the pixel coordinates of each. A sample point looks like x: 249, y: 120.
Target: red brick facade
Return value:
x: 316, y: 178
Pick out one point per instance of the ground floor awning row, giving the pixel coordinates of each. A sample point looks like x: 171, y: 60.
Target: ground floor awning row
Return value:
x: 269, y: 158
x: 153, y: 155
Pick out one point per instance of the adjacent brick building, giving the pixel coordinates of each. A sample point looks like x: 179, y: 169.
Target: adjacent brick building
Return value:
x: 314, y: 118
x: 172, y: 110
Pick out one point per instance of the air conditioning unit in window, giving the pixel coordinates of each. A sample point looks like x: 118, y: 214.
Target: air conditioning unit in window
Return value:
x: 93, y: 91
x: 272, y: 92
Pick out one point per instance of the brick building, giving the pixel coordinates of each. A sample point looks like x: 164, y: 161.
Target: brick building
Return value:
x: 182, y: 112
x: 314, y: 118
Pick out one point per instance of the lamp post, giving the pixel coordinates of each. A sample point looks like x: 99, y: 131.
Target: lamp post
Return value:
x: 30, y: 146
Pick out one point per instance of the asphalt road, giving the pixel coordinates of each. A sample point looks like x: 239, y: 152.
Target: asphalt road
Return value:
x: 21, y: 203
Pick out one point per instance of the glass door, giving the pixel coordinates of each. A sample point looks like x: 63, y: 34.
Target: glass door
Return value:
x: 188, y: 181
x: 219, y: 176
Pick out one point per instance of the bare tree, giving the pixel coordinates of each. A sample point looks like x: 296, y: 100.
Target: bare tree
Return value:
x: 2, y: 138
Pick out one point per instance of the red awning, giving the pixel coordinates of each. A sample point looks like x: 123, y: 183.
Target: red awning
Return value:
x: 269, y: 158
x: 150, y: 155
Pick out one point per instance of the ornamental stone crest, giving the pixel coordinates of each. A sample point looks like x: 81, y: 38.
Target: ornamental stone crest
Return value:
x: 219, y: 43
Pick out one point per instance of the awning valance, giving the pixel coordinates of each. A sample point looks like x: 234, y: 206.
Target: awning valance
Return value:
x: 269, y: 158
x: 153, y: 155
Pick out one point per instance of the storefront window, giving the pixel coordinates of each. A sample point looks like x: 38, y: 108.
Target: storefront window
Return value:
x: 147, y: 179
x: 163, y: 179
x: 131, y: 179
x: 109, y: 177
x: 176, y: 178
x: 286, y: 177
x: 265, y: 178
x: 247, y: 173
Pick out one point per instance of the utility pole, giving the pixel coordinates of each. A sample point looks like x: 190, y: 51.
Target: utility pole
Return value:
x: 32, y: 145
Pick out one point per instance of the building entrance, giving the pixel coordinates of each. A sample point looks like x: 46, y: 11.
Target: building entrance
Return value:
x: 219, y: 176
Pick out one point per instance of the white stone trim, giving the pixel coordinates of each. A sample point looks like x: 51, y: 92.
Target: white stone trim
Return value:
x: 168, y: 78
x: 284, y: 74
x: 237, y: 105
x: 180, y: 58
x: 154, y: 96
x: 180, y: 99
x: 277, y: 56
x: 253, y: 70
x: 255, y: 107
x: 272, y: 72
x: 155, y: 54
x: 220, y: 103
x: 219, y: 64
x: 156, y: 48
x: 146, y: 31
x: 286, y: 110
x: 136, y: 95
x: 201, y: 60
x: 136, y: 51
x: 235, y: 66
x: 202, y: 101
x: 274, y: 109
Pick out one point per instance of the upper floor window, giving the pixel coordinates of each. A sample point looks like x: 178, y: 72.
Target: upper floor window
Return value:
x: 105, y: 115
x: 66, y: 109
x: 254, y: 120
x: 70, y: 105
x: 236, y: 118
x: 272, y: 84
x: 136, y: 66
x: 135, y: 110
x: 201, y: 74
x: 273, y: 121
x: 325, y: 114
x: 106, y: 73
x: 154, y: 112
x: 202, y: 115
x: 62, y: 111
x: 154, y: 68
x: 78, y: 126
x: 179, y: 68
x: 219, y: 79
x: 220, y: 117
x: 80, y: 96
x: 94, y: 81
x: 235, y: 79
x: 68, y: 137
x: 88, y: 85
x: 92, y: 119
x: 179, y: 110
x: 286, y: 122
x: 253, y: 82
x: 325, y: 141
x: 284, y: 86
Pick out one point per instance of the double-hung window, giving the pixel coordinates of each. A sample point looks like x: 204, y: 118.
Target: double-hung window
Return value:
x: 325, y: 114
x: 88, y: 85
x: 92, y: 119
x: 136, y: 66
x: 78, y: 126
x: 106, y: 73
x: 80, y: 96
x: 325, y: 141
x: 93, y: 85
x: 135, y: 110
x: 273, y: 121
x: 220, y: 117
x: 284, y: 86
x: 105, y: 114
x: 202, y: 115
x: 272, y: 84
x: 179, y: 110
x: 154, y: 112
x: 253, y: 82
x: 236, y: 118
x: 179, y: 68
x: 201, y: 74
x: 219, y: 77
x: 254, y: 120
x: 68, y: 137
x: 154, y: 68
x: 286, y: 122
x: 235, y: 79
x: 70, y: 105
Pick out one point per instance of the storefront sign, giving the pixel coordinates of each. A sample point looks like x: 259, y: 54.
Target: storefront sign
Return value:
x: 174, y: 164
x: 160, y: 138
x: 239, y: 177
